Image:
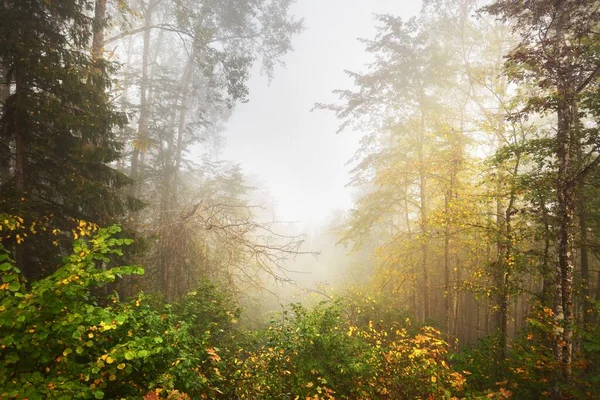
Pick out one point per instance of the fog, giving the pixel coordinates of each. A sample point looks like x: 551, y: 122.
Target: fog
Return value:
x: 275, y: 136
x: 277, y: 199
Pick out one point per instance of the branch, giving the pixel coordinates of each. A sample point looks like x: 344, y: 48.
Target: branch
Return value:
x: 141, y: 29
x: 171, y: 28
x: 587, y: 169
x: 588, y: 79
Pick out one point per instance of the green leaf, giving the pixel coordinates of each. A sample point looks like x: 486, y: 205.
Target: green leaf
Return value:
x: 143, y: 353
x: 5, y: 266
x: 99, y: 394
x: 129, y: 355
x: 14, y: 286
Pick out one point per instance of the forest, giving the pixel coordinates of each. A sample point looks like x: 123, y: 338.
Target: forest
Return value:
x: 137, y: 262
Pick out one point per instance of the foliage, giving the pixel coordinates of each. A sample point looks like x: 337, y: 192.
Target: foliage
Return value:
x: 318, y: 354
x: 57, y: 124
x: 66, y: 338
x: 530, y: 370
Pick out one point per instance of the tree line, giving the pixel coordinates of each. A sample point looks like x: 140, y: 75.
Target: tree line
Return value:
x: 476, y: 200
x: 477, y: 182
x: 112, y: 112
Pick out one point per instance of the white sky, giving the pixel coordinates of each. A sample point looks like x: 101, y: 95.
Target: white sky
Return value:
x: 295, y: 152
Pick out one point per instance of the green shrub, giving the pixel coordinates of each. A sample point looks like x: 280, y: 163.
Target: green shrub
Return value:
x: 64, y: 339
x: 320, y: 354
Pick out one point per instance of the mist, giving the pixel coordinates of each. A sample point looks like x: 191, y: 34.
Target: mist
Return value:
x: 299, y: 199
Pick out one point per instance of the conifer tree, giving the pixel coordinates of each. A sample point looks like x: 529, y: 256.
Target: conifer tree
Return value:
x: 57, y: 123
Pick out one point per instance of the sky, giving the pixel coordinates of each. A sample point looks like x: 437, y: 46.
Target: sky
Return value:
x: 295, y: 153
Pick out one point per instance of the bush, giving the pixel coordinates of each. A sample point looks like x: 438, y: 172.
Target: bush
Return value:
x: 319, y: 354
x: 64, y: 339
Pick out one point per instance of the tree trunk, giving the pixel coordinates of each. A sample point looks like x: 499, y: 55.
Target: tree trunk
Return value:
x: 424, y: 217
x: 503, y: 254
x: 425, y: 245
x: 588, y: 305
x: 185, y: 82
x: 98, y: 29
x: 456, y: 299
x: 546, y: 254
x: 168, y: 264
x: 124, y: 103
x: 447, y: 289
x: 5, y: 140
x: 142, y: 136
x: 565, y: 189
x: 21, y: 184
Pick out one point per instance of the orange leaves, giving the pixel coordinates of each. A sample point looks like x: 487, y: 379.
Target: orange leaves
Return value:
x: 169, y: 394
x: 212, y: 354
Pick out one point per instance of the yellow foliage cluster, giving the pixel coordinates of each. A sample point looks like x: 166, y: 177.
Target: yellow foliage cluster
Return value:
x: 15, y: 227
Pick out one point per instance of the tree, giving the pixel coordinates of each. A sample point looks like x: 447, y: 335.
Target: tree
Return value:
x: 193, y: 66
x: 558, y: 55
x: 57, y: 123
x: 399, y: 100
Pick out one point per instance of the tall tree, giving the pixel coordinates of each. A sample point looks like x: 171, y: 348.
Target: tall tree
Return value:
x: 58, y: 121
x: 195, y: 59
x: 558, y: 55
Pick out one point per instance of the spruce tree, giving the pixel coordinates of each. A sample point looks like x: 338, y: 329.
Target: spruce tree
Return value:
x: 57, y: 124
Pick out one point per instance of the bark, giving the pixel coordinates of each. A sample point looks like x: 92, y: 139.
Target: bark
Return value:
x: 451, y: 297
x: 98, y: 29
x: 142, y: 136
x: 597, y: 296
x: 171, y: 273
x: 565, y: 189
x: 424, y: 215
x: 447, y: 267
x: 505, y: 262
x: 546, y: 254
x: 5, y: 140
x: 425, y: 246
x: 19, y: 132
x: 124, y: 102
x: 504, y: 253
x: 582, y: 216
x: 185, y: 82
x: 456, y: 299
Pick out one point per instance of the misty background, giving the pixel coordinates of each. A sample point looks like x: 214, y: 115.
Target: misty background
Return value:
x: 275, y: 136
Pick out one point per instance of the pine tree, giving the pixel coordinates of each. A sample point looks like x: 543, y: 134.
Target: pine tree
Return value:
x: 57, y: 123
